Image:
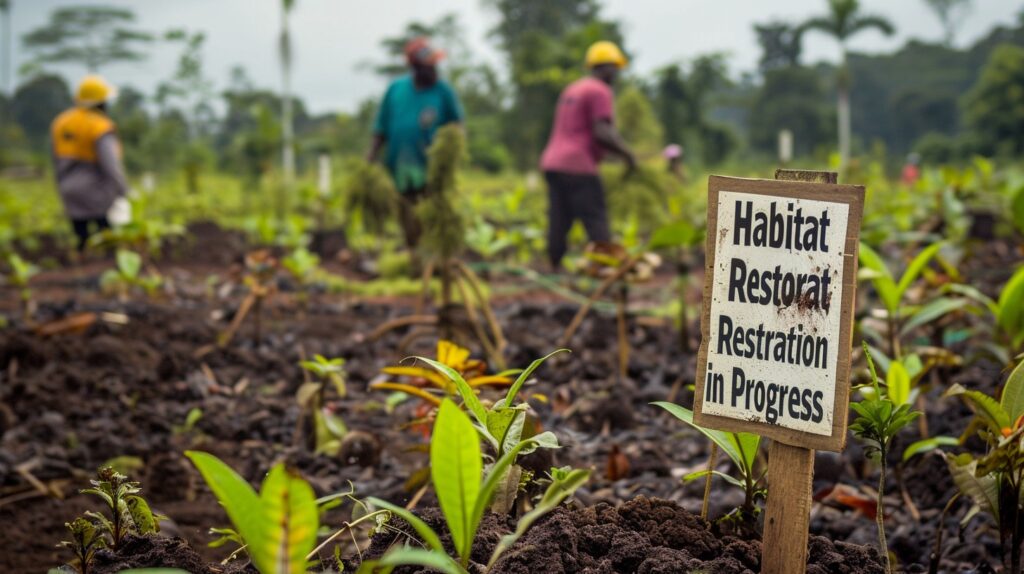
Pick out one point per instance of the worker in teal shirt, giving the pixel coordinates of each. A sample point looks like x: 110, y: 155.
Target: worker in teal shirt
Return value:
x: 414, y: 106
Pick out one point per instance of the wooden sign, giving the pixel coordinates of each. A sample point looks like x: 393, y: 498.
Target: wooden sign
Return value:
x: 777, y: 328
x: 779, y: 292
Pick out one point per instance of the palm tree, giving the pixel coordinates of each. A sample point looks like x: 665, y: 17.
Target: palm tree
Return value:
x: 843, y: 21
x: 287, y: 131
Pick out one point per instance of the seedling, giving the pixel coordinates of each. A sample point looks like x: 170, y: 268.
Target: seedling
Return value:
x: 742, y: 449
x: 303, y: 266
x: 456, y: 468
x: 995, y: 481
x: 19, y: 277
x: 143, y: 236
x: 1007, y: 313
x: 260, y: 268
x: 86, y: 539
x: 128, y: 275
x: 129, y: 512
x: 880, y: 420
x: 891, y: 292
x: 682, y: 236
x: 278, y: 525
x: 328, y: 428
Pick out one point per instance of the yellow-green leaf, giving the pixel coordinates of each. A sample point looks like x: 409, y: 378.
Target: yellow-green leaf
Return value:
x: 455, y: 468
x: 289, y: 525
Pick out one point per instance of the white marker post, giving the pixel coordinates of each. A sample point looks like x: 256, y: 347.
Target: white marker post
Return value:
x: 777, y: 333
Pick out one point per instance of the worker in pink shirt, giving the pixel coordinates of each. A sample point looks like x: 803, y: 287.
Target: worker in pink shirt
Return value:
x: 584, y: 130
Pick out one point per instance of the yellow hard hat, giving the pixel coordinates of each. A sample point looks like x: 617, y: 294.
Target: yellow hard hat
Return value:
x: 93, y: 90
x: 605, y: 52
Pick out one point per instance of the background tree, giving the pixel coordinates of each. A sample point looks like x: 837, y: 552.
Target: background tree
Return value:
x: 91, y: 36
x: 36, y: 103
x: 683, y: 98
x: 781, y: 45
x: 635, y: 118
x: 950, y: 14
x: 843, y: 21
x: 993, y: 107
x: 287, y: 127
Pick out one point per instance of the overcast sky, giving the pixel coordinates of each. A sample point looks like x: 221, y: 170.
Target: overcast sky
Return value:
x: 332, y: 37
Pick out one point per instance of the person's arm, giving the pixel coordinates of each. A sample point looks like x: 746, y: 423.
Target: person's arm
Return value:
x: 610, y: 139
x: 108, y: 156
x: 376, y: 143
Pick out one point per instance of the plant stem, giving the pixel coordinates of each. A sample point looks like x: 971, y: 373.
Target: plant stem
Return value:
x: 880, y: 517
x: 707, y: 482
x: 622, y: 335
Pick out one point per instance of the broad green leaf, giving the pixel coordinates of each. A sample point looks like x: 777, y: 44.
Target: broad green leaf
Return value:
x: 703, y: 473
x: 129, y: 263
x: 424, y: 531
x: 928, y: 445
x: 420, y: 557
x: 973, y: 293
x: 676, y: 234
x: 525, y: 376
x: 1011, y: 307
x: 468, y: 396
x: 882, y: 279
x: 934, y: 310
x: 240, y: 500
x: 289, y: 525
x: 983, y: 490
x: 984, y: 406
x: 916, y: 266
x: 1017, y: 210
x: 455, y: 468
x: 142, y: 515
x: 897, y: 382
x: 506, y: 425
x: 559, y: 489
x: 723, y: 439
x: 747, y: 444
x: 1013, y: 394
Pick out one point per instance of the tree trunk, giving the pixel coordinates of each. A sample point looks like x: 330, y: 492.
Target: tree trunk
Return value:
x: 287, y: 134
x: 843, y: 115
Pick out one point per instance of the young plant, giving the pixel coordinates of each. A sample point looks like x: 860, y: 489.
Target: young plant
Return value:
x: 86, y: 539
x: 1007, y: 313
x: 129, y: 512
x: 303, y: 266
x: 21, y: 274
x: 143, y: 236
x: 995, y: 481
x: 260, y: 269
x: 456, y: 469
x: 891, y: 291
x: 328, y: 428
x: 431, y: 385
x: 128, y: 275
x: 278, y: 525
x: 879, y: 420
x: 742, y: 449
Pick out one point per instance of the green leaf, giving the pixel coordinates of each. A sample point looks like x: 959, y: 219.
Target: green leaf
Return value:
x: 420, y: 557
x: 676, y: 234
x: 506, y: 425
x: 289, y: 525
x: 129, y: 263
x: 703, y: 473
x: 560, y: 488
x: 142, y: 515
x: 882, y: 279
x: 990, y: 412
x: 928, y: 445
x: 983, y: 490
x: 468, y: 396
x: 1013, y: 394
x: 897, y: 381
x: 740, y: 451
x: 525, y: 376
x: 1010, y: 317
x: 933, y: 310
x: 455, y: 468
x: 240, y: 500
x: 916, y: 267
x: 425, y: 532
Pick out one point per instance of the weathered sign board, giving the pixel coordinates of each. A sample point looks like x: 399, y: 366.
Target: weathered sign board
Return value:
x: 779, y: 292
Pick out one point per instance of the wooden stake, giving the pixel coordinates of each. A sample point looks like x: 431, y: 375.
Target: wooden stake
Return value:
x: 788, y: 516
x: 790, y: 473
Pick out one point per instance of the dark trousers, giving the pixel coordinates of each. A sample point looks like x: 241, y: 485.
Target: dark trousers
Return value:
x: 83, y: 229
x: 570, y: 197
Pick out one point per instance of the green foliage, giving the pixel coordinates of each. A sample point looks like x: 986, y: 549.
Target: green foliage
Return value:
x: 279, y: 524
x: 129, y: 512
x: 370, y: 196
x: 444, y: 227
x: 92, y: 36
x: 456, y: 467
x: 992, y: 107
x: 128, y: 274
x: 328, y: 428
x: 86, y: 539
x: 741, y: 448
x: 21, y: 272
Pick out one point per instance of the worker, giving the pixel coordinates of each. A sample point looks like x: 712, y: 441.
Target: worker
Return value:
x: 673, y: 154
x: 583, y: 132
x: 412, y: 110
x: 87, y: 159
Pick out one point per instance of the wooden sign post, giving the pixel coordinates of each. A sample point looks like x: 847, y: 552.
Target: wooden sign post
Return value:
x: 777, y: 333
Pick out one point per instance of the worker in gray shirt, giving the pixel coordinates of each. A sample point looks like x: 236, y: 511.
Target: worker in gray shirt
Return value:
x: 87, y: 159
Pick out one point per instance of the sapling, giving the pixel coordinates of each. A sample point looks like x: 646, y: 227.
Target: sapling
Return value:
x: 879, y: 420
x: 129, y: 512
x: 127, y: 274
x: 260, y: 269
x: 328, y: 428
x: 86, y: 539
x: 302, y: 265
x: 21, y: 274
